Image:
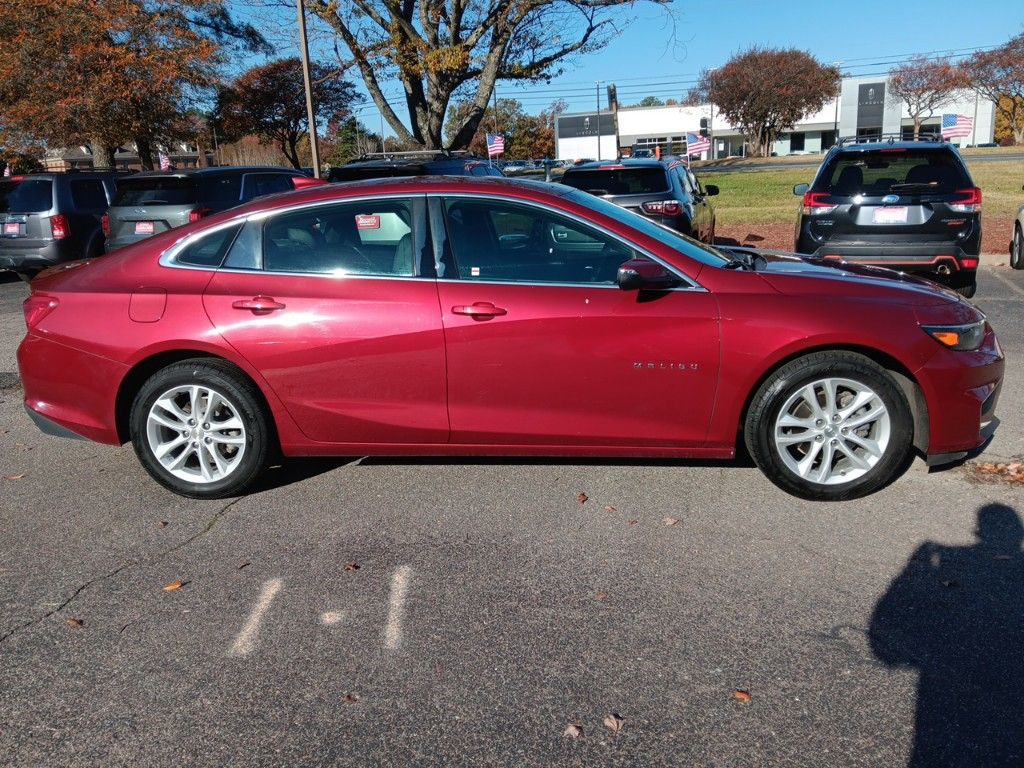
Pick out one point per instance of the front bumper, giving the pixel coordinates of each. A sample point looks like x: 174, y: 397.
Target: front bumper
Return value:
x: 69, y: 389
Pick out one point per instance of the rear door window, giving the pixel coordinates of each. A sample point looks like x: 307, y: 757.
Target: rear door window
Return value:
x: 6, y: 187
x: 31, y: 196
x: 88, y: 194
x: 156, y: 190
x: 893, y: 171
x: 259, y: 184
x: 621, y: 181
x: 209, y: 250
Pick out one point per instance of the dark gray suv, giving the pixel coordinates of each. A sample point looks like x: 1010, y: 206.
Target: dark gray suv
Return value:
x: 49, y: 218
x: 152, y: 202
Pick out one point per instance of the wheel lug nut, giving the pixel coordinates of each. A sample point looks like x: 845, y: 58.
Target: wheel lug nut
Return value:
x: 191, y: 422
x: 206, y: 425
x: 184, y: 433
x: 835, y: 417
x: 819, y: 423
x: 207, y: 440
x: 819, y: 438
x: 834, y: 441
x: 843, y: 431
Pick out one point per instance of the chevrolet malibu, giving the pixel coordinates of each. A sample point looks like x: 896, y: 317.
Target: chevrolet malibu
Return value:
x: 473, y: 316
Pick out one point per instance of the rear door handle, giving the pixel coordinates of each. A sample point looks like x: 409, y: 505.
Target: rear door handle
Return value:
x: 259, y: 305
x: 480, y: 310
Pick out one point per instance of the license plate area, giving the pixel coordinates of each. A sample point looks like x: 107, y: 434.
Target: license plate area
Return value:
x: 890, y: 215
x: 12, y: 228
x: 143, y: 227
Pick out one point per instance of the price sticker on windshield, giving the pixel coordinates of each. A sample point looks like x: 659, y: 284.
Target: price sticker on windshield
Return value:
x: 368, y: 221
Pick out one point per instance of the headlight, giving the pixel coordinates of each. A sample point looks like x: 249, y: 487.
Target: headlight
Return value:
x: 961, y: 337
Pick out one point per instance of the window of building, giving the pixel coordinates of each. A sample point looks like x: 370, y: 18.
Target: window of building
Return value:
x: 796, y: 142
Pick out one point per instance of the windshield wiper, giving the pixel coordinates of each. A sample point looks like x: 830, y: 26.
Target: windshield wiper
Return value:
x: 908, y: 185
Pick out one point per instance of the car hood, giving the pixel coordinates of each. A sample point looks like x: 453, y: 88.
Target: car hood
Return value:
x: 795, y: 274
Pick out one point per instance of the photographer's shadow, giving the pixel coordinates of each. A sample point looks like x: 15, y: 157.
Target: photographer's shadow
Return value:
x: 956, y: 614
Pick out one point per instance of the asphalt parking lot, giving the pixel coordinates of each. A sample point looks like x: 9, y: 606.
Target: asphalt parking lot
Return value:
x: 454, y: 612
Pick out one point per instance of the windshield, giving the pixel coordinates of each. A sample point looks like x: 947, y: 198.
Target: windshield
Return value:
x: 31, y: 196
x: 155, y: 190
x: 893, y: 170
x: 620, y: 181
x: 705, y: 254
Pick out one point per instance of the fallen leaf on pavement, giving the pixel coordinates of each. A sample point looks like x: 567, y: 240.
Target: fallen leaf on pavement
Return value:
x: 582, y: 498
x: 14, y: 477
x: 601, y: 595
x: 670, y: 521
x: 573, y: 731
x: 352, y: 566
x: 246, y: 564
x: 613, y: 722
x: 610, y: 508
x: 174, y: 586
x: 633, y: 522
x: 743, y: 696
x: 163, y: 523
x: 351, y: 698
x: 74, y: 622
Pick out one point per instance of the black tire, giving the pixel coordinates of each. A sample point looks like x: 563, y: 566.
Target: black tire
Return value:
x: 967, y: 291
x: 788, y: 380
x: 1017, y: 248
x: 243, y: 395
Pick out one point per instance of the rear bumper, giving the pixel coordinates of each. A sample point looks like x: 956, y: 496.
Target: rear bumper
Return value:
x: 70, y: 391
x: 35, y: 257
x: 943, y: 263
x: 962, y: 391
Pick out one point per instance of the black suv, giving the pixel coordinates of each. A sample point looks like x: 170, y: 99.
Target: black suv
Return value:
x: 413, y: 164
x: 48, y: 218
x: 151, y: 202
x: 908, y: 205
x: 664, y: 190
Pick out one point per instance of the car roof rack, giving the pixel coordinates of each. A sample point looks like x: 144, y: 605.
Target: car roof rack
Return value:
x: 416, y: 154
x: 889, y: 138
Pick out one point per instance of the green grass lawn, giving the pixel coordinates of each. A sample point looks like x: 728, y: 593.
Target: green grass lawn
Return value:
x: 766, y: 197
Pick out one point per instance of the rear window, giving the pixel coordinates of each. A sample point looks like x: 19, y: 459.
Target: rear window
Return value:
x: 168, y: 190
x: 222, y: 191
x: 893, y: 171
x: 31, y: 196
x: 5, y: 190
x: 623, y: 181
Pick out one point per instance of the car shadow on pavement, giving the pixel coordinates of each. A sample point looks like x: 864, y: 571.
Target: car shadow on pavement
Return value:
x: 6, y: 276
x: 956, y: 615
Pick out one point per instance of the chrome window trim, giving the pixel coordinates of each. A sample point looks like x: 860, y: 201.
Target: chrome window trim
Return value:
x: 691, y: 284
x: 167, y: 258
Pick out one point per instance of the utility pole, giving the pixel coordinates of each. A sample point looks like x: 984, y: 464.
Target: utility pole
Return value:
x: 307, y: 82
x: 974, y: 125
x: 494, y: 92
x: 839, y: 95
x: 382, y: 133
x: 597, y: 91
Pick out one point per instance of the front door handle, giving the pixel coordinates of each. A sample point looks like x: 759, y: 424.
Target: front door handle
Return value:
x: 480, y: 310
x: 258, y: 305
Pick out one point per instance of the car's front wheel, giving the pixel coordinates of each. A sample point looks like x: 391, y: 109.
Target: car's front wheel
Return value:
x: 830, y: 426
x: 1017, y: 248
x: 200, y: 428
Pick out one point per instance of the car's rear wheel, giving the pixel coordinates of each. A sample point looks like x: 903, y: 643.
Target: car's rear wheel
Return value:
x: 199, y: 427
x: 830, y: 426
x: 968, y: 290
x: 1017, y: 248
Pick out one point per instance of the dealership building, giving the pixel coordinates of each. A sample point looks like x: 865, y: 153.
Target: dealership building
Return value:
x: 864, y: 108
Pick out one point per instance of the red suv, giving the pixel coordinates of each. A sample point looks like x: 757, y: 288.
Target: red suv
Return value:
x: 488, y: 316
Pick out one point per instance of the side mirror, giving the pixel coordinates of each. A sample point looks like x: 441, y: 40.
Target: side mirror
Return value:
x: 801, y: 189
x: 643, y: 274
x: 711, y: 190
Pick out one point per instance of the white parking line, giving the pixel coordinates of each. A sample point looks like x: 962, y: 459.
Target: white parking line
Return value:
x: 396, y: 607
x: 1007, y: 282
x: 245, y: 641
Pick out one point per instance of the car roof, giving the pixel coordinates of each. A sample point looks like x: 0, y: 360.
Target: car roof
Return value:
x: 410, y: 162
x: 626, y: 162
x: 875, y: 146
x: 190, y: 172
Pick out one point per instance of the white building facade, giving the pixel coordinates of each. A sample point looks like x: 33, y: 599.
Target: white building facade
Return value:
x: 865, y: 108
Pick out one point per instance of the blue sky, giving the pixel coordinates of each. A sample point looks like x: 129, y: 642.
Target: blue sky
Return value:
x: 867, y: 36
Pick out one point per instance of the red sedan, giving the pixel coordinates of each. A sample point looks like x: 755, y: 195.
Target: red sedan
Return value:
x: 484, y: 316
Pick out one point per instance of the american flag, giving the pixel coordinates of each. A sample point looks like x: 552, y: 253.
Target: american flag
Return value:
x: 165, y: 162
x: 695, y: 144
x: 956, y: 125
x: 495, y: 144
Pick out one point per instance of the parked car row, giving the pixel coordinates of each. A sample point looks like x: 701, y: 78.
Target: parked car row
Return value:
x: 50, y: 218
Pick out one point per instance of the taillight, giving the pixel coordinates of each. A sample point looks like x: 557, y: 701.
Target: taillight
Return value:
x: 815, y: 205
x: 663, y: 207
x: 970, y: 203
x: 198, y: 213
x: 59, y: 226
x: 36, y: 307
x: 304, y: 182
x: 105, y: 224
x: 969, y: 262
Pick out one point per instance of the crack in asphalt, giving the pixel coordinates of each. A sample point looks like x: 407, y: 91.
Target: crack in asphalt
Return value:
x: 123, y: 567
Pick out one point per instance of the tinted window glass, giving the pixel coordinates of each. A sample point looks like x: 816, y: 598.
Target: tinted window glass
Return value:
x: 514, y: 243
x: 221, y: 191
x: 208, y: 251
x: 88, y: 194
x: 31, y: 196
x: 246, y: 252
x: 260, y: 184
x: 897, y: 170
x: 359, y: 238
x: 669, y: 237
x: 155, y: 190
x: 625, y: 181
x: 5, y: 191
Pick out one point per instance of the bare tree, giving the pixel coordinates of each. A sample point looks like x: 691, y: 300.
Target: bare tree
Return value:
x: 998, y: 75
x: 925, y: 85
x: 441, y: 48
